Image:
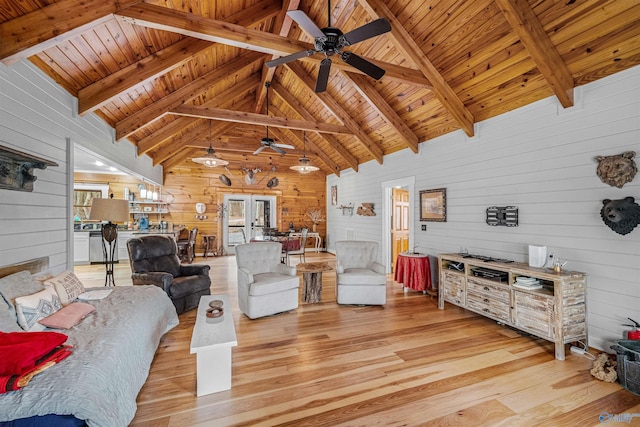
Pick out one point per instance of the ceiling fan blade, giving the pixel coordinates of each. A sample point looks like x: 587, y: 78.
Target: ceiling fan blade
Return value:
x: 305, y: 23
x: 289, y: 58
x: 277, y: 149
x: 323, y: 75
x: 259, y: 150
x: 287, y: 146
x: 372, y: 29
x: 363, y: 65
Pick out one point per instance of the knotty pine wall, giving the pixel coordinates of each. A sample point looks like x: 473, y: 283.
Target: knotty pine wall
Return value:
x: 296, y: 194
x: 185, y: 186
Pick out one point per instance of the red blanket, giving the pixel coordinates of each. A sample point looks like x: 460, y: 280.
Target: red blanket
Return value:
x: 24, y: 354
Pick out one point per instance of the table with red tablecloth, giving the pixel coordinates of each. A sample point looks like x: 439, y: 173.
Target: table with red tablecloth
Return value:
x: 413, y: 271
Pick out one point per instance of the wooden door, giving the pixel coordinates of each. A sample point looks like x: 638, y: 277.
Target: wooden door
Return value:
x: 399, y: 224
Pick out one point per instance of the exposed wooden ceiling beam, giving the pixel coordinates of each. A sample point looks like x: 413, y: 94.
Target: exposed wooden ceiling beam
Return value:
x: 188, y: 24
x: 373, y: 97
x: 298, y: 136
x: 526, y: 25
x: 103, y: 91
x: 407, y: 45
x: 256, y: 119
x: 290, y: 135
x: 282, y: 26
x: 179, y: 146
x: 299, y: 108
x: 173, y: 161
x: 137, y: 74
x: 186, y: 93
x: 222, y: 100
x: 340, y: 113
x: 36, y: 31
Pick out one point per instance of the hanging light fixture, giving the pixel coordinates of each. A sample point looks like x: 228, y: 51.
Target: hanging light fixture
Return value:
x: 304, y: 164
x: 210, y: 160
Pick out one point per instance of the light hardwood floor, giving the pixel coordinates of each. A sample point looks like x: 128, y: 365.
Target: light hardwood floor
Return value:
x: 404, y: 364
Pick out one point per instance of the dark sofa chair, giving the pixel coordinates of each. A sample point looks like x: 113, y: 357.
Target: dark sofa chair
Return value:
x: 154, y: 261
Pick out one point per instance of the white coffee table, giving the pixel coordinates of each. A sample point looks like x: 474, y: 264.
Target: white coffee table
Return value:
x: 212, y: 340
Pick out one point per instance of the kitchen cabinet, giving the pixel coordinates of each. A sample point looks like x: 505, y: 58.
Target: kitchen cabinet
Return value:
x: 123, y: 252
x: 81, y: 247
x: 553, y: 309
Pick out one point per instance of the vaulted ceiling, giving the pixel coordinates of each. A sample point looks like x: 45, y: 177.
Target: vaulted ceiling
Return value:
x: 168, y: 74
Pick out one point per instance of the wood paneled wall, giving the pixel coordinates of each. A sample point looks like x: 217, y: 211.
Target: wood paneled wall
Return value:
x: 184, y: 186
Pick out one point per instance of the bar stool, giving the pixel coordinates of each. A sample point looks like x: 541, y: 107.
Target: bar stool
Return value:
x: 209, y: 243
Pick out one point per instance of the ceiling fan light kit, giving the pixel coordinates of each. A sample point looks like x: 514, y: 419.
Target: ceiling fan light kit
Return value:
x: 270, y: 142
x: 330, y: 41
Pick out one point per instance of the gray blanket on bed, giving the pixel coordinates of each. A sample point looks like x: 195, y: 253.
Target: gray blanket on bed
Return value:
x: 113, y: 349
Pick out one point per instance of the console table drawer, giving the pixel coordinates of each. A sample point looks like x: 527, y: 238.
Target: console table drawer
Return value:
x: 493, y: 290
x: 488, y: 306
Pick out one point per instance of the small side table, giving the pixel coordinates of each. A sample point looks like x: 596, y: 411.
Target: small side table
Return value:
x: 413, y: 270
x: 312, y: 280
x: 209, y: 241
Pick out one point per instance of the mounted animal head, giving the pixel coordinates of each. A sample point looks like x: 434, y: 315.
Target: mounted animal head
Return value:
x: 617, y: 170
x: 622, y: 215
x: 250, y: 175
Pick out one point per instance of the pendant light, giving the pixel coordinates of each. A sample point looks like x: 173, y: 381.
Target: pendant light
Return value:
x: 304, y: 165
x: 210, y: 160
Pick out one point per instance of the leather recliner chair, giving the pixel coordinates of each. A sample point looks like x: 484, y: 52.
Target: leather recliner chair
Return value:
x: 154, y: 261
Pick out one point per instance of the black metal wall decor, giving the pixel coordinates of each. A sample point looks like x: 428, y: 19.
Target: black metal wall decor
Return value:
x: 502, y: 215
x: 16, y: 169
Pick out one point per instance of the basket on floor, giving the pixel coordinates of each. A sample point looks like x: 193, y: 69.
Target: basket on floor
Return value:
x: 628, y: 355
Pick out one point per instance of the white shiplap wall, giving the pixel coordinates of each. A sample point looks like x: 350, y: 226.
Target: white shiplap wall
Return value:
x: 539, y: 158
x: 37, y: 116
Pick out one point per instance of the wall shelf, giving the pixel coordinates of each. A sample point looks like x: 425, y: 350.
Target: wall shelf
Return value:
x: 16, y: 169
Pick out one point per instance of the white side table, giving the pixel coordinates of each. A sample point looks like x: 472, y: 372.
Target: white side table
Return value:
x: 211, y: 341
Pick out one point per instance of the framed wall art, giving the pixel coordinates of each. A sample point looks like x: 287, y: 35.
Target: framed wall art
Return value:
x: 334, y: 195
x: 433, y: 205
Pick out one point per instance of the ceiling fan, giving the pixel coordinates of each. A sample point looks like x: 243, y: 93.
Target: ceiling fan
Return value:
x: 269, y: 142
x: 330, y: 41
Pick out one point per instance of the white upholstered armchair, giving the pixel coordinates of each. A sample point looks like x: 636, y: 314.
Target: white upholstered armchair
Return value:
x: 265, y: 285
x: 360, y: 278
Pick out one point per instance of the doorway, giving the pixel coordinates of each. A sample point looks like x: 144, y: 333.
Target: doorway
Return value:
x: 399, y: 224
x: 392, y: 242
x: 247, y: 217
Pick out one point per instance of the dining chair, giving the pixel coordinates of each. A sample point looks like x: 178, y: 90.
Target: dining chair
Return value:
x: 302, y: 239
x: 186, y: 249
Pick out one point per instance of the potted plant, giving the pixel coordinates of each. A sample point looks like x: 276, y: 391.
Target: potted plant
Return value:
x: 316, y: 216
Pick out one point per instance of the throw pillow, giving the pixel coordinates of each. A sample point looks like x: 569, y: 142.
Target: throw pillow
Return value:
x: 69, y: 316
x: 31, y: 308
x: 67, y: 285
x: 17, y: 285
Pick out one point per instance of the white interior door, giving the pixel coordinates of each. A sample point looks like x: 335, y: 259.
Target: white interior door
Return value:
x: 246, y: 217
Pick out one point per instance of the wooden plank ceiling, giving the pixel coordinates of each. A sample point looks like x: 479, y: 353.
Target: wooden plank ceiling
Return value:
x: 174, y: 76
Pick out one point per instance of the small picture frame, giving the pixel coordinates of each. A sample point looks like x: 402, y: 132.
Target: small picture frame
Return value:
x: 433, y: 205
x: 146, y: 209
x: 334, y: 195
